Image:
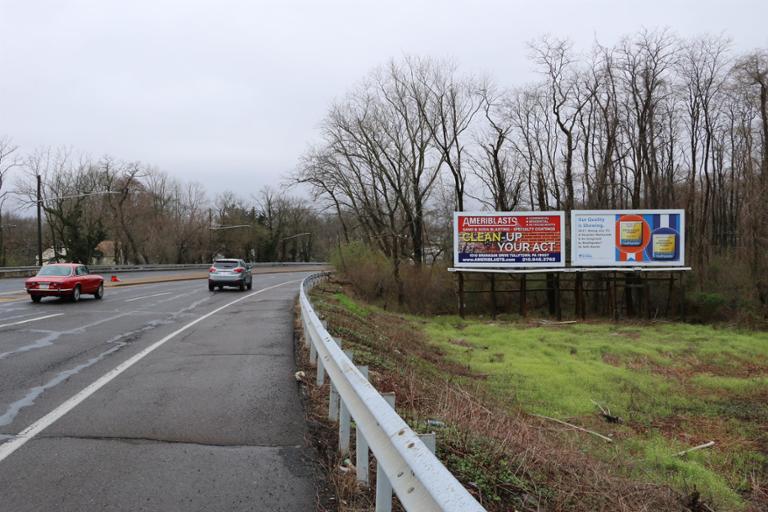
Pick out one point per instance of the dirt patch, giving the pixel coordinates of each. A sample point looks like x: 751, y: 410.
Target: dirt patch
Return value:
x: 735, y: 367
x: 633, y: 335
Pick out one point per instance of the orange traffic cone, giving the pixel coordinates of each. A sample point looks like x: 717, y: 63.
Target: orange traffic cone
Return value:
x: 115, y: 279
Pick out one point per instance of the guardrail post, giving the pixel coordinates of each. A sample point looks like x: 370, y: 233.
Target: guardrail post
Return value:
x: 344, y: 420
x: 430, y: 440
x: 312, y: 352
x: 361, y: 446
x: 320, y: 372
x: 333, y: 399
x: 305, y: 326
x: 383, y: 485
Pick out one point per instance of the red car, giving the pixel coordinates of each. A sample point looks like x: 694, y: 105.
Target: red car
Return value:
x: 64, y: 280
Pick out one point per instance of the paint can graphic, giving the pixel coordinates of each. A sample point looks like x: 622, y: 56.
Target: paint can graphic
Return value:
x: 664, y: 244
x: 631, y: 233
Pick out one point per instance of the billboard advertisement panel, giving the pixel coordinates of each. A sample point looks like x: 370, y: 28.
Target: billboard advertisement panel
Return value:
x: 509, y: 239
x: 631, y: 238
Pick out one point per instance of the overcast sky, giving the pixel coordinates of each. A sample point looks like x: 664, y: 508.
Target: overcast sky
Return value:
x: 230, y: 93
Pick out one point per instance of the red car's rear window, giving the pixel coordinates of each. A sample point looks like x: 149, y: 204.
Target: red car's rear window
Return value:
x: 55, y: 271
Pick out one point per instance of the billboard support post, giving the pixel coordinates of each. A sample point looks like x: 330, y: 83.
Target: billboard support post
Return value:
x: 646, y: 296
x: 579, y: 299
x: 669, y: 293
x: 523, y: 294
x: 682, y: 297
x: 494, y: 308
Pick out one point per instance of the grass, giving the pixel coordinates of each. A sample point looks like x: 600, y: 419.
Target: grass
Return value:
x: 675, y: 385
x: 352, y: 306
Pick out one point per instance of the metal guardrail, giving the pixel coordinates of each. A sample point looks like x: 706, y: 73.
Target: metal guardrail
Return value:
x: 32, y: 270
x: 404, y: 461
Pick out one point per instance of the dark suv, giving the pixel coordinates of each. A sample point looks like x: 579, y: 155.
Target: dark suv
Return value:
x: 230, y: 273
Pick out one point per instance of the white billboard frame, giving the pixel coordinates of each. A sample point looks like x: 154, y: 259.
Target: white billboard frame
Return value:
x: 577, y: 261
x: 563, y: 251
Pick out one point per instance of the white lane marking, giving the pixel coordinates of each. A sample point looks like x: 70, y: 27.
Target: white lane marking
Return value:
x: 31, y: 320
x: 20, y: 290
x: 147, y: 296
x: 46, y: 421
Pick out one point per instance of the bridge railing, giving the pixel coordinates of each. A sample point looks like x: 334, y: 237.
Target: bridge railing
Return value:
x: 405, y: 462
x: 32, y: 270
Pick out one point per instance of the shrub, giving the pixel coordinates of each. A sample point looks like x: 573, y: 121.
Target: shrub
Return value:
x: 368, y: 270
x: 427, y: 289
x: 708, y: 306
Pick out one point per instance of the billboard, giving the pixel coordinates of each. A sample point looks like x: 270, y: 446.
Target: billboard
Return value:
x: 631, y: 238
x: 509, y: 239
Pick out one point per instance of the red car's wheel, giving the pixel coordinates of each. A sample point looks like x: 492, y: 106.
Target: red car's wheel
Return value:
x: 76, y: 294
x: 99, y: 291
x: 36, y: 298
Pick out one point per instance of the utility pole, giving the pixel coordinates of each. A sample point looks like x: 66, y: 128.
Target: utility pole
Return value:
x: 39, y: 221
x: 2, y: 239
x: 210, y: 234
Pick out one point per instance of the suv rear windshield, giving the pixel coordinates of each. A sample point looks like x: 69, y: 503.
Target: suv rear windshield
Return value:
x: 226, y: 263
x: 55, y: 270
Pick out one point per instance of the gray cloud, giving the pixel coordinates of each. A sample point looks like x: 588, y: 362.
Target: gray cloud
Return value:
x: 219, y: 92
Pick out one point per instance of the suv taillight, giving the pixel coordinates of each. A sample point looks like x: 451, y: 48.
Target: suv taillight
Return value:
x: 239, y: 270
x: 212, y: 269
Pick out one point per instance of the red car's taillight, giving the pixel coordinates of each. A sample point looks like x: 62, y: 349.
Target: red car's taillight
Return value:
x: 32, y: 284
x: 239, y: 270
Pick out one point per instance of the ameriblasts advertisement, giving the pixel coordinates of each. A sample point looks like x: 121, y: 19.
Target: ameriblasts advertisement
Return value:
x: 628, y: 238
x: 508, y: 239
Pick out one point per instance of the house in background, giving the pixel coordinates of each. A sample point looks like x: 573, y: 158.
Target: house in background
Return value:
x: 50, y: 256
x: 105, y: 253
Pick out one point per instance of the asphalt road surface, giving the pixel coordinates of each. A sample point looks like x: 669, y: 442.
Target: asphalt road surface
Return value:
x: 160, y: 397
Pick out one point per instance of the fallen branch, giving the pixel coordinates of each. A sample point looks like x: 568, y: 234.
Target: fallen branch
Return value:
x: 699, y: 447
x: 601, y: 436
x: 606, y: 413
x: 551, y: 323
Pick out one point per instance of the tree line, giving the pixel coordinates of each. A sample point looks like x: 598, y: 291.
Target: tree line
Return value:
x: 144, y: 215
x: 655, y: 121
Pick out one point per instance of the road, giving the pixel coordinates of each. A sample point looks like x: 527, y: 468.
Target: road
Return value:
x: 14, y: 284
x: 160, y: 397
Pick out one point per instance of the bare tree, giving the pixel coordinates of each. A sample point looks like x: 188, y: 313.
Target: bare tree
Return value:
x: 495, y: 163
x: 8, y: 160
x: 554, y: 56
